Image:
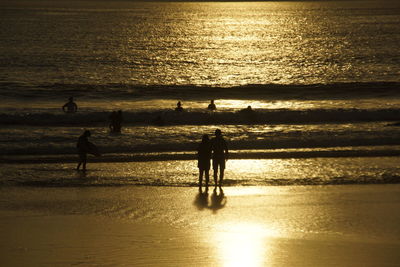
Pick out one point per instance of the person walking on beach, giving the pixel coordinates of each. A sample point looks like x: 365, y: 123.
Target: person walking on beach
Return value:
x: 203, y: 160
x: 212, y: 106
x: 219, y: 156
x: 84, y: 147
x: 70, y: 106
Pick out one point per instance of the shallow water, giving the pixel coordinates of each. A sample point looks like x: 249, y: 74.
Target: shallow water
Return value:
x: 290, y: 171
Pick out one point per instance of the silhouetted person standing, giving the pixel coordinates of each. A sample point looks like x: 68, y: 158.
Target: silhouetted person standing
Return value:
x: 70, y: 106
x: 83, y: 146
x: 118, y: 122
x: 179, y: 107
x: 113, y: 119
x: 203, y: 160
x: 211, y: 106
x: 219, y: 156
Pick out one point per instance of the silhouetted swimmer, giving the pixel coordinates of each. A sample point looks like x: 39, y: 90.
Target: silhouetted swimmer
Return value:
x: 70, y: 106
x: 219, y: 156
x: 248, y: 110
x: 179, y: 107
x: 85, y: 147
x: 249, y: 113
x: 203, y: 160
x: 212, y: 106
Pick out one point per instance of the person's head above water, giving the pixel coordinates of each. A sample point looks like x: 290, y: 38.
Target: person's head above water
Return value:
x: 87, y: 133
x: 71, y: 99
x: 218, y: 132
x: 205, y: 138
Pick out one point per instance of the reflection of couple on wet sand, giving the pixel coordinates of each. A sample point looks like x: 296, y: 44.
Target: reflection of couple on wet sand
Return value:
x: 216, y: 149
x: 218, y: 201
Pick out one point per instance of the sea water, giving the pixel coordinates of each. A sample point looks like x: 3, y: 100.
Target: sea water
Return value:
x: 321, y: 77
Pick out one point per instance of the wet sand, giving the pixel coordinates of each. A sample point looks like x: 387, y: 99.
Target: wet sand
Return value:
x: 351, y: 225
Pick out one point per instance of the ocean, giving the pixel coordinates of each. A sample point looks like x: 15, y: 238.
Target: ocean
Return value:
x: 322, y: 78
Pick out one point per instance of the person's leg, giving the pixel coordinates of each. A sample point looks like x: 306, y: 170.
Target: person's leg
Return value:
x: 221, y: 173
x: 207, y: 173
x: 81, y: 156
x: 216, y: 176
x: 215, y: 169
x: 200, y: 177
x: 84, y: 162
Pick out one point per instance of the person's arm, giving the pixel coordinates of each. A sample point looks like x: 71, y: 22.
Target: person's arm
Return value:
x: 75, y: 107
x: 226, y: 150
x: 63, y: 107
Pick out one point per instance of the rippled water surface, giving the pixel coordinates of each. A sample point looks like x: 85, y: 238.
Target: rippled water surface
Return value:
x: 200, y: 43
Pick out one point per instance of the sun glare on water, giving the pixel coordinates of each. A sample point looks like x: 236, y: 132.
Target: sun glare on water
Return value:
x: 244, y: 244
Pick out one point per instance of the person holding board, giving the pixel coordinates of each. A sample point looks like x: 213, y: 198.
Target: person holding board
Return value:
x: 85, y: 147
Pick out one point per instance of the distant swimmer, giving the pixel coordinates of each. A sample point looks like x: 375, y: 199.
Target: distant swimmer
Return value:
x: 85, y: 147
x: 212, y: 106
x: 247, y: 110
x: 248, y: 113
x: 219, y: 156
x: 70, y: 106
x: 203, y: 160
x: 179, y: 107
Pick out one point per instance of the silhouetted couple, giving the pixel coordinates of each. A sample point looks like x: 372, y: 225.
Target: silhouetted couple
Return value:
x: 216, y: 149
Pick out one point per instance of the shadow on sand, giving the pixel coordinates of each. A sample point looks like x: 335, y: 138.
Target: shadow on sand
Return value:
x: 216, y: 202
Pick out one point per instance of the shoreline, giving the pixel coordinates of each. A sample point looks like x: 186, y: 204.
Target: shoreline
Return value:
x: 239, y: 172
x: 349, y: 225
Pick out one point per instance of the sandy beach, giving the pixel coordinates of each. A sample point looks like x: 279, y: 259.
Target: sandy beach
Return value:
x: 351, y: 225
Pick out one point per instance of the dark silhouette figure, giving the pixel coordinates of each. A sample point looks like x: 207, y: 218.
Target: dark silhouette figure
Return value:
x: 203, y: 160
x: 248, y: 113
x: 218, y: 201
x: 116, y: 121
x: 85, y: 147
x: 219, y: 156
x: 70, y: 106
x: 113, y: 121
x: 247, y: 110
x: 212, y: 106
x: 179, y: 107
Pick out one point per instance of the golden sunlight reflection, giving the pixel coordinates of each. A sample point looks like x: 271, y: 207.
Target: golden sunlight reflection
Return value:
x: 254, y: 167
x: 244, y: 244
